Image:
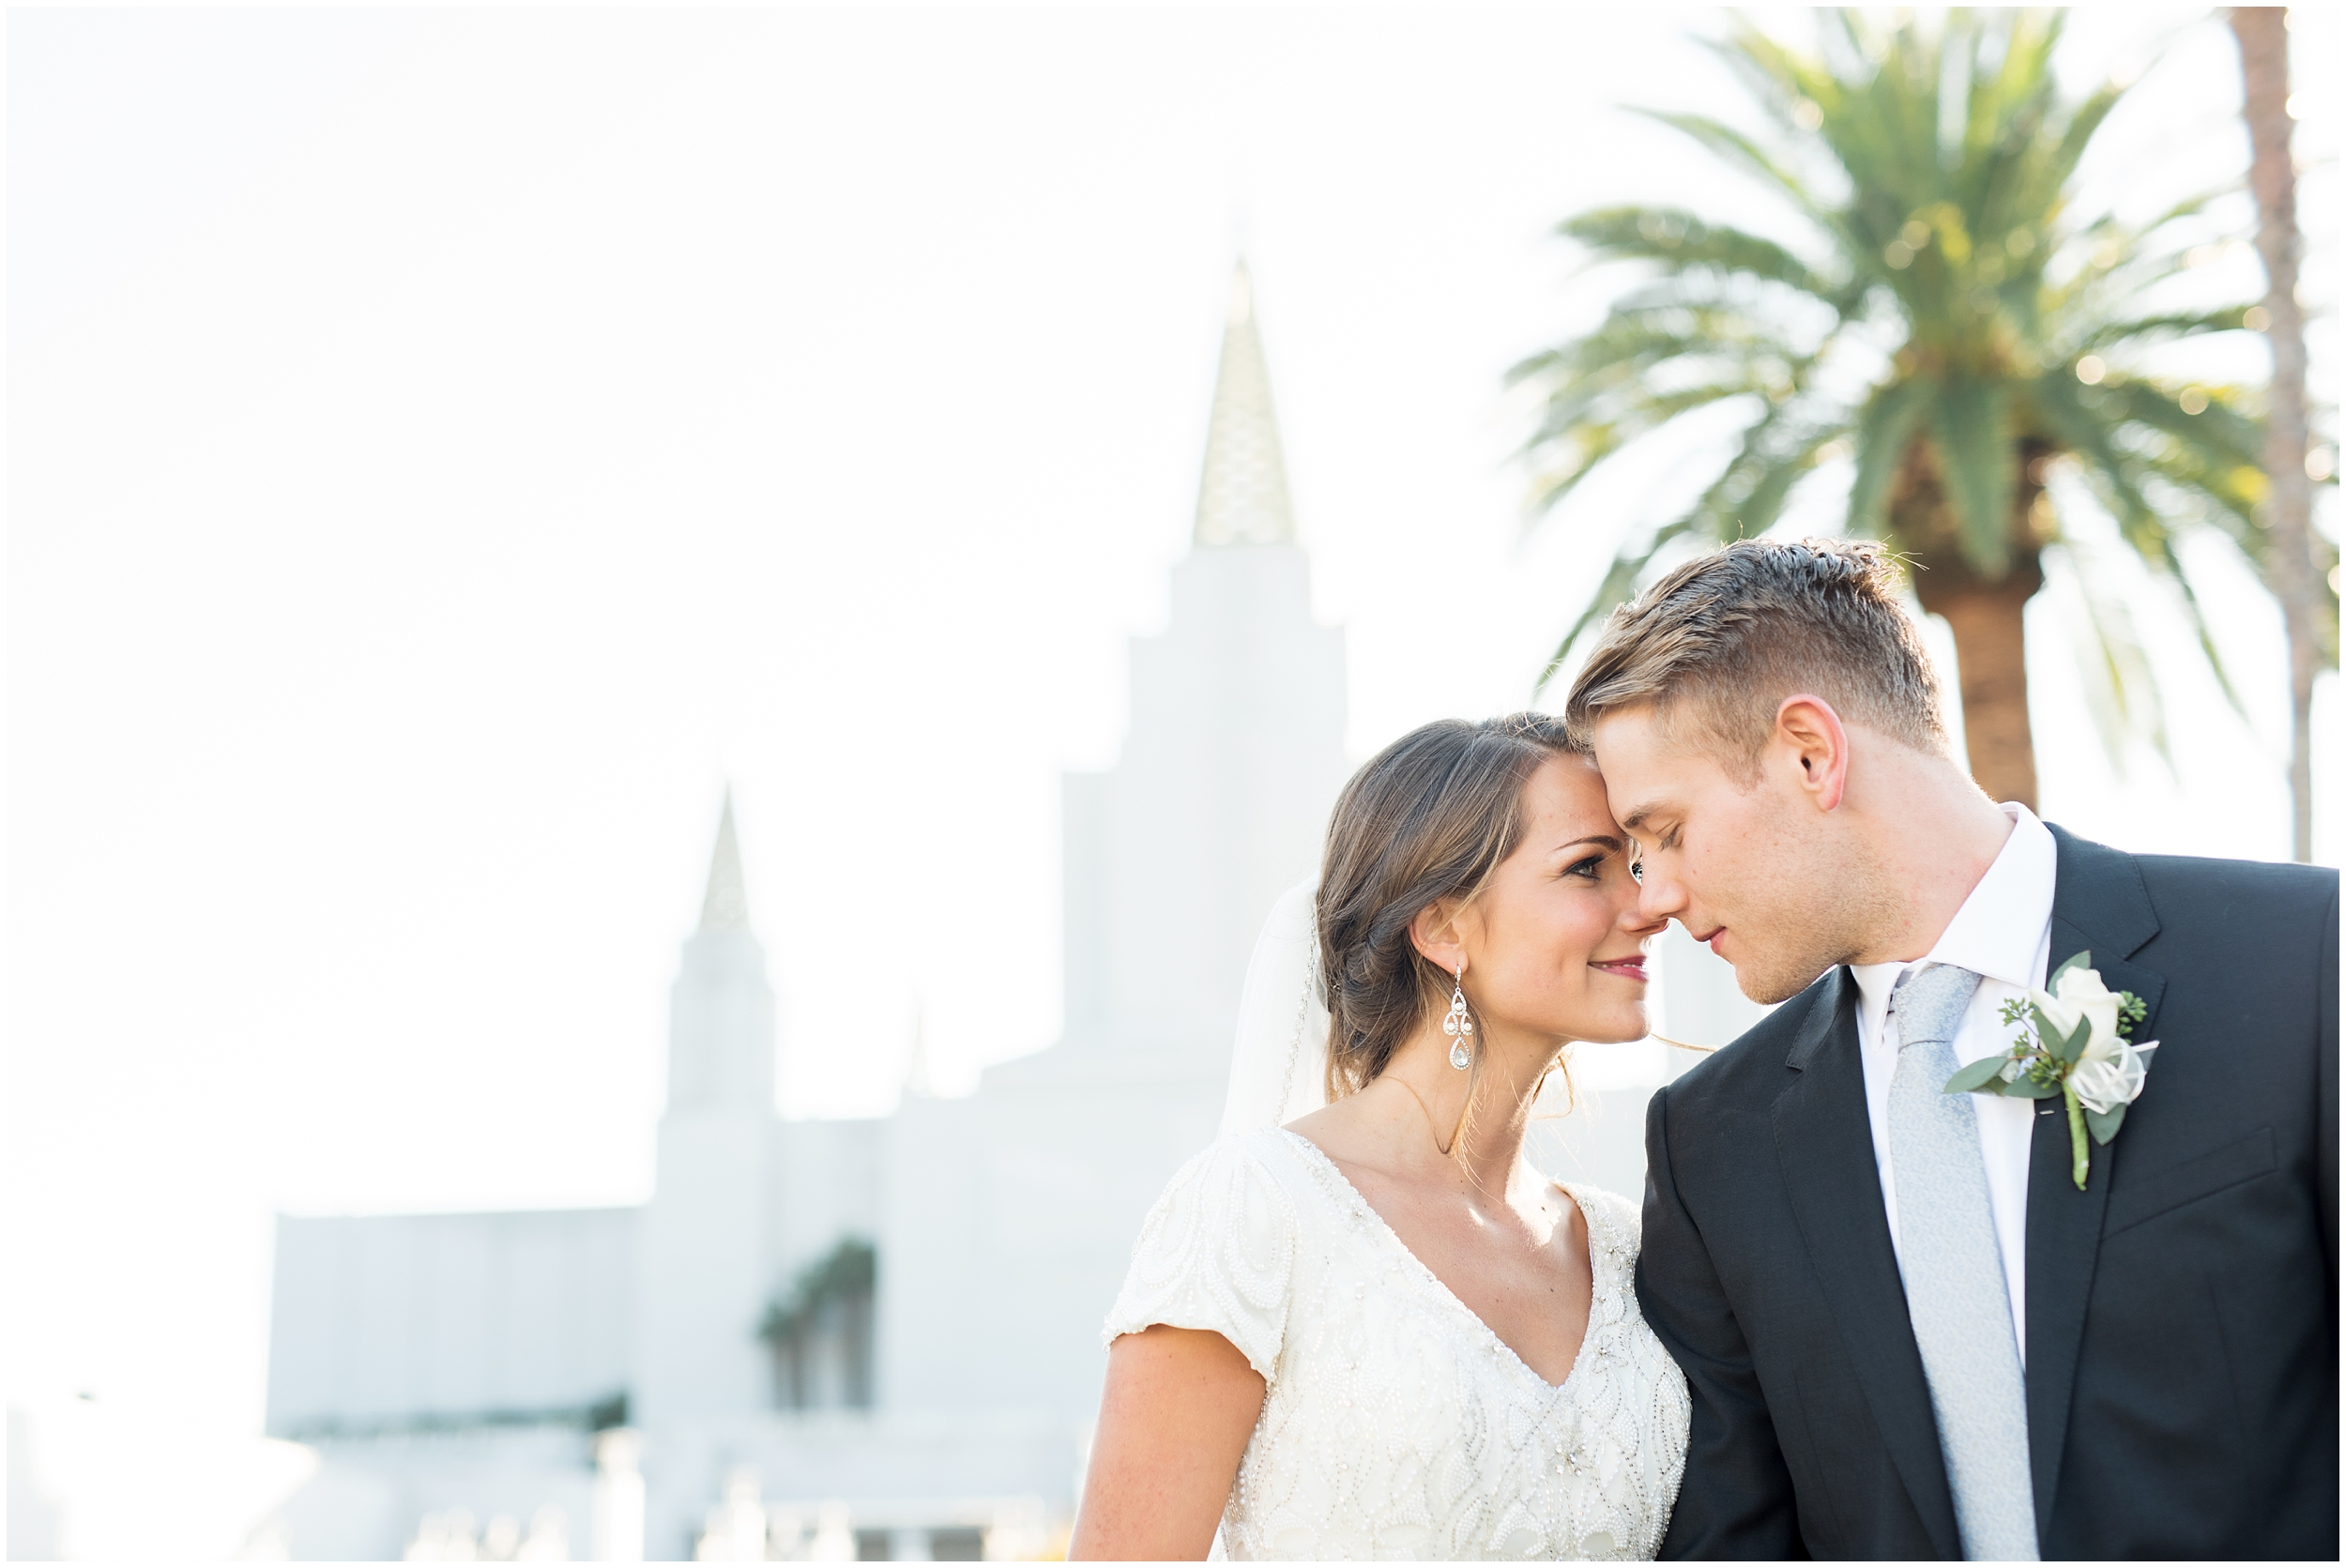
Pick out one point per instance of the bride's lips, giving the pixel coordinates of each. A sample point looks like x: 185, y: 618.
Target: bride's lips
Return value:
x: 1628, y: 968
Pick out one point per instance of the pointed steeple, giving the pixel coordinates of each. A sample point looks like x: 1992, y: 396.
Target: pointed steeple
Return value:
x: 727, y: 900
x: 1243, y: 496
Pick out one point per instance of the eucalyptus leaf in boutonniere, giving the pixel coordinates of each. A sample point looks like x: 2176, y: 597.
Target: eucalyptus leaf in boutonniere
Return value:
x: 2073, y: 1044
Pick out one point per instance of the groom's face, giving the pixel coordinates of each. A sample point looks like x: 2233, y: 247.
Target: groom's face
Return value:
x: 1746, y: 866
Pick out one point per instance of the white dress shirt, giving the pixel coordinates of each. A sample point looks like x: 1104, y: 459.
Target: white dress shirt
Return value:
x: 2004, y: 934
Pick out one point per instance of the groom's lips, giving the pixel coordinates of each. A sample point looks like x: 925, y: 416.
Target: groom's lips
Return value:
x: 1632, y: 969
x: 1712, y: 941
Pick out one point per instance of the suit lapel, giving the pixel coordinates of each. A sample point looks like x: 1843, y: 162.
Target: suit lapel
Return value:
x: 2099, y: 905
x: 1824, y: 1143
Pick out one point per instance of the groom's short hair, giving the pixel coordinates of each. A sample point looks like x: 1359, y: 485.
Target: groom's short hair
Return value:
x: 1719, y: 643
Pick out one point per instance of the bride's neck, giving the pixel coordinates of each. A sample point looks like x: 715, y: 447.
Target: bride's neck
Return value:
x: 1504, y: 1084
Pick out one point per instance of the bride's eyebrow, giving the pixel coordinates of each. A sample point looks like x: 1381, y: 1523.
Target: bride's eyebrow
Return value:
x: 1606, y: 839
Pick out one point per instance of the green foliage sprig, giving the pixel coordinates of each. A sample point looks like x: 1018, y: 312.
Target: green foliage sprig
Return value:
x: 2045, y: 1059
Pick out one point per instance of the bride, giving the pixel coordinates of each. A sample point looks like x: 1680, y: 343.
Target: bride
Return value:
x: 1377, y: 1331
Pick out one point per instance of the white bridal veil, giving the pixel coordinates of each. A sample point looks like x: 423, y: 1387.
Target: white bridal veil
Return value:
x: 1279, y: 1067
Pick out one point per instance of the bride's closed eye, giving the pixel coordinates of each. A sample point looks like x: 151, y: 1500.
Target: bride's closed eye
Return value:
x: 1588, y: 867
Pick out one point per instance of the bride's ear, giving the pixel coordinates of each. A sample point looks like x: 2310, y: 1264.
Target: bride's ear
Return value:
x: 1435, y: 934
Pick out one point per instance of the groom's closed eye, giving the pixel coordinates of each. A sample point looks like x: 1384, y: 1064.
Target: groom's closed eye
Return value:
x: 1639, y: 822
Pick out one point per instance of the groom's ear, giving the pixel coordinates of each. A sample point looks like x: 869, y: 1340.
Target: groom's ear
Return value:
x: 1811, y: 745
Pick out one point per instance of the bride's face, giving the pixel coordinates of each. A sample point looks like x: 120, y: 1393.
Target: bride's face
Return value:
x: 1555, y: 948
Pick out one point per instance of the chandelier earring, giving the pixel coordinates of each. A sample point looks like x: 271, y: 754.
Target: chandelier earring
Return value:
x: 1458, y: 1023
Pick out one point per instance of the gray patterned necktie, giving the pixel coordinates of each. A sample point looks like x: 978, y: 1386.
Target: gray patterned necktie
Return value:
x: 1954, y: 1273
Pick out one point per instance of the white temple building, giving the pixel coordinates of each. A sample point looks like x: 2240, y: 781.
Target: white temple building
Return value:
x: 878, y: 1338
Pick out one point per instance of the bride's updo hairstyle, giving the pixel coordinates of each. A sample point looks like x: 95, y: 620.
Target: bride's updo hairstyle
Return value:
x: 1429, y: 817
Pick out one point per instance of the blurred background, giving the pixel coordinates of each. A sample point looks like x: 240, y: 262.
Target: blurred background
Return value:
x: 659, y: 666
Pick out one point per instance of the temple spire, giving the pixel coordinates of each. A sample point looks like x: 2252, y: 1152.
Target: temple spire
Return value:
x: 1242, y: 495
x: 727, y: 900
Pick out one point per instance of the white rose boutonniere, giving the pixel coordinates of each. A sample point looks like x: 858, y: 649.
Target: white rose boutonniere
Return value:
x: 2073, y: 1044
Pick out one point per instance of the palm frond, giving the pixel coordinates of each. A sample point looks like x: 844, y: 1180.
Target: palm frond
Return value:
x: 1738, y: 148
x: 1638, y: 339
x: 2122, y: 695
x: 1888, y: 421
x: 1773, y: 455
x: 2144, y: 331
x: 1681, y: 242
x: 1578, y: 449
x: 1971, y: 426
x: 1620, y: 578
x: 2217, y: 424
x: 2170, y: 567
x: 2057, y: 403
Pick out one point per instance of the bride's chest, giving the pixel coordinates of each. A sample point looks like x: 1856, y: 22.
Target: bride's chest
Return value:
x: 1399, y: 1425
x: 1375, y: 1343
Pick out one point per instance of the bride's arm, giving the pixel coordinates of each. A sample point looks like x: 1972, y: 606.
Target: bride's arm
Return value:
x: 1174, y: 1420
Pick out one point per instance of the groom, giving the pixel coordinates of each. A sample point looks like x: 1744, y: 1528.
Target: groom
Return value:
x: 1907, y: 1331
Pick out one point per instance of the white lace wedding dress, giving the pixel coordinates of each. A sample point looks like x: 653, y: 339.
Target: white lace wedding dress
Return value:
x: 1394, y: 1425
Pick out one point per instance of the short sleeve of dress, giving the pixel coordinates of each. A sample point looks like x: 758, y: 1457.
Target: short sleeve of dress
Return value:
x: 1217, y: 1252
x: 1623, y: 1215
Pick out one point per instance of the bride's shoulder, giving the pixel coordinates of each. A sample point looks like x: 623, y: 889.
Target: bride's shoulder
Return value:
x: 1243, y: 1169
x: 1219, y: 1249
x: 1614, y: 1205
x: 1615, y: 1222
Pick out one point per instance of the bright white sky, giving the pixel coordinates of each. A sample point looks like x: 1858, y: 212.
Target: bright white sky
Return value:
x: 445, y: 447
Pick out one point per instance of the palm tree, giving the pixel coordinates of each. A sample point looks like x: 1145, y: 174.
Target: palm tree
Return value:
x: 1937, y: 313
x: 2308, y: 612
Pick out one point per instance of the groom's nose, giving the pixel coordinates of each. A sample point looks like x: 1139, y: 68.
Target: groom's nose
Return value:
x: 1659, y: 896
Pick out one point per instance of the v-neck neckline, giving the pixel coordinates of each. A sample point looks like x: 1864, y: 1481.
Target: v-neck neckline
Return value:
x: 1596, y: 1283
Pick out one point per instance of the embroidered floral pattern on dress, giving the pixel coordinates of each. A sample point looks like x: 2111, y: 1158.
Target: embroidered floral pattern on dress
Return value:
x: 1395, y: 1425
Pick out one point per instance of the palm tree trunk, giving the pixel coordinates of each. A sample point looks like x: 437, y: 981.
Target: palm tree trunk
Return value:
x: 2287, y: 511
x: 1984, y: 613
x: 1991, y: 668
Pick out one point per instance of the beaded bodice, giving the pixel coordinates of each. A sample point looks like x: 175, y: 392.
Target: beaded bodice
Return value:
x: 1394, y: 1423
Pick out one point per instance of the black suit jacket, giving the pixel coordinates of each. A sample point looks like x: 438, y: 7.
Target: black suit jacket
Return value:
x: 2182, y: 1347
